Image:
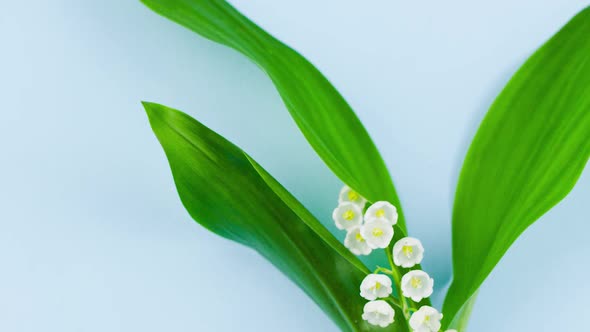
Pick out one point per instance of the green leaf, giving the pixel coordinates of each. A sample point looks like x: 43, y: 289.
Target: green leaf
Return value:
x: 461, y: 319
x: 322, y: 114
x: 230, y: 194
x: 527, y: 155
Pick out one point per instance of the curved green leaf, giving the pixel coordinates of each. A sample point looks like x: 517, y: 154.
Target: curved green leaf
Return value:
x: 461, y: 319
x: 230, y: 194
x: 527, y: 155
x: 322, y: 114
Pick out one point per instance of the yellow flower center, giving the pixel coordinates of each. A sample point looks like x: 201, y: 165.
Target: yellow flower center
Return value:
x: 359, y: 237
x: 416, y: 282
x: 377, y: 232
x: 426, y: 319
x: 377, y: 286
x: 379, y: 213
x: 353, y: 195
x: 348, y: 215
x: 407, y: 250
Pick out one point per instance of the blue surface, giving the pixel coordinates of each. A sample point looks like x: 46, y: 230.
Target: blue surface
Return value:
x: 93, y: 236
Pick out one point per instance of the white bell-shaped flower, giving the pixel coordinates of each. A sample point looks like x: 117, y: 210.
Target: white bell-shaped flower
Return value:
x: 348, y: 195
x: 417, y: 285
x: 382, y: 210
x: 347, y: 215
x: 426, y: 319
x: 356, y: 243
x: 378, y: 313
x: 376, y: 286
x: 451, y: 331
x: 408, y: 252
x: 378, y: 233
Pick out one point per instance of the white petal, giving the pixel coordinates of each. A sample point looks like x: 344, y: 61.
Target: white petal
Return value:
x: 408, y: 252
x: 347, y: 215
x: 355, y: 242
x: 416, y: 320
x: 378, y: 233
x: 426, y: 319
x: 417, y: 285
x: 348, y: 195
x: 376, y: 286
x: 378, y: 313
x: 382, y: 210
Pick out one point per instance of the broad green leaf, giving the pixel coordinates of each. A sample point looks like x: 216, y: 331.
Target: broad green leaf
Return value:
x: 527, y: 155
x: 461, y: 319
x: 227, y: 192
x: 322, y: 114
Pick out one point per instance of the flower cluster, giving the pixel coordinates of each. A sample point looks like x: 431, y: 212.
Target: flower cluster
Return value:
x: 370, y: 228
x: 366, y: 230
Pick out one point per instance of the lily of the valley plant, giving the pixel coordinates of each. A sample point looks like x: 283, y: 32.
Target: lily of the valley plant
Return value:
x: 375, y: 230
x: 526, y: 156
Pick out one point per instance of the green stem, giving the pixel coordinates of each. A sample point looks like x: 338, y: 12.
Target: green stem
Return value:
x: 394, y: 301
x: 396, y: 274
x: 384, y: 270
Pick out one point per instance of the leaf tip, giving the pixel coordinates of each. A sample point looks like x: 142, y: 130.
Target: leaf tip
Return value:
x: 147, y: 105
x: 150, y: 108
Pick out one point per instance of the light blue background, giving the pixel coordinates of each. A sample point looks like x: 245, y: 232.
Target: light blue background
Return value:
x: 93, y: 236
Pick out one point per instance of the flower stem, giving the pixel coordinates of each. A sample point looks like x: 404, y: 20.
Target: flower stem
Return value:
x: 394, y: 301
x: 400, y: 303
x: 397, y: 278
